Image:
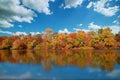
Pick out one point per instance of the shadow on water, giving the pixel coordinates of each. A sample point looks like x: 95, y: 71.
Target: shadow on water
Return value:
x: 103, y: 59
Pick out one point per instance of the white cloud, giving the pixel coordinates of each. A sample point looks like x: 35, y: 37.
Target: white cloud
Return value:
x: 93, y: 26
x: 20, y: 26
x: 5, y: 24
x: 85, y: 30
x: 100, y: 7
x: 73, y: 3
x: 19, y: 33
x: 108, y: 4
x: 13, y: 11
x: 34, y: 33
x: 24, y: 33
x: 80, y: 24
x: 42, y: 6
x: 115, y: 28
x: 12, y: 33
x: 64, y: 31
x: 117, y: 21
x: 6, y: 32
x: 77, y: 29
x: 89, y: 5
x: 114, y: 73
x: 61, y: 6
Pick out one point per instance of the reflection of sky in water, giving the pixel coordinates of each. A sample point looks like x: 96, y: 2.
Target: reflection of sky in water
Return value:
x: 26, y: 71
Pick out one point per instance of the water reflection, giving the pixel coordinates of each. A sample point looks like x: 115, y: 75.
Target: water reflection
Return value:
x: 105, y: 60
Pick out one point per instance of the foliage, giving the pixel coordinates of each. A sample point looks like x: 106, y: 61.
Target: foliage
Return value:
x: 101, y: 39
x: 19, y: 44
x: 6, y: 44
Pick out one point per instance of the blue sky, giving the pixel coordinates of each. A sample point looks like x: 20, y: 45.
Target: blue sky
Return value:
x: 33, y: 16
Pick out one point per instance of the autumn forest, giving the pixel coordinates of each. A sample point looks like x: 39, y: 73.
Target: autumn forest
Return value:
x: 101, y: 39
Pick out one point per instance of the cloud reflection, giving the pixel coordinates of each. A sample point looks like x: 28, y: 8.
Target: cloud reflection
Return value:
x: 27, y: 75
x: 94, y: 70
x: 114, y: 73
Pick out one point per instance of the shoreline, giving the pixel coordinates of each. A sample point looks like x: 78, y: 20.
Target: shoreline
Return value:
x: 82, y: 48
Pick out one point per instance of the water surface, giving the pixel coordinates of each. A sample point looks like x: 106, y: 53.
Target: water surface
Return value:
x: 66, y: 64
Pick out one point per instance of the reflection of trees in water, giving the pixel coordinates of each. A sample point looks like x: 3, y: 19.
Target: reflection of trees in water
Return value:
x: 103, y: 59
x: 4, y: 55
x: 118, y: 58
x: 98, y: 58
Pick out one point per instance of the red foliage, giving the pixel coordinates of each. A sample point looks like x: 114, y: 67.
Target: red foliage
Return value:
x: 72, y: 35
x: 2, y: 38
x: 13, y: 38
x: 117, y: 37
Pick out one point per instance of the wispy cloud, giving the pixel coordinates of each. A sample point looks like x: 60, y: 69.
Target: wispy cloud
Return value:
x: 19, y: 33
x: 20, y: 26
x: 80, y: 24
x: 64, y: 31
x: 100, y: 7
x: 77, y: 29
x: 117, y: 21
x: 42, y: 6
x: 72, y: 3
x: 90, y: 5
x: 6, y: 32
x: 93, y: 26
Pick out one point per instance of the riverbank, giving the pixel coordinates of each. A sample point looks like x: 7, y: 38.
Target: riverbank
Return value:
x: 81, y: 48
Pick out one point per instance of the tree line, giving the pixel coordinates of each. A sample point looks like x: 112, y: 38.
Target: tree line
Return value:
x: 101, y: 39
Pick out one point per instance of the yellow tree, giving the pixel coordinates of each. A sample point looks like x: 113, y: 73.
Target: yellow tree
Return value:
x: 47, y: 33
x: 117, y: 38
x: 81, y: 37
x: 107, y: 38
x: 19, y: 44
x: 94, y: 39
x: 47, y: 38
x: 6, y: 43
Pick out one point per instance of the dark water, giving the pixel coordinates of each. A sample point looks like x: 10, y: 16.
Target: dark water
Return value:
x: 67, y: 64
